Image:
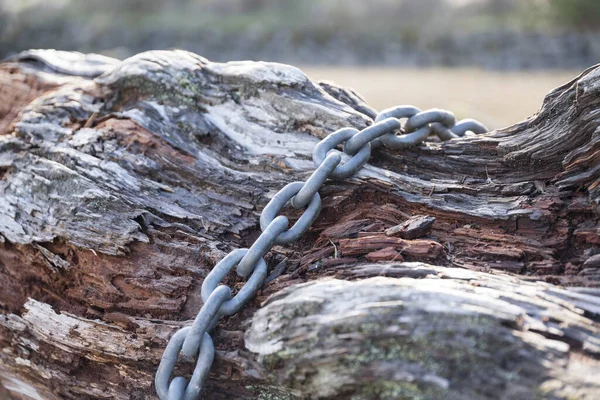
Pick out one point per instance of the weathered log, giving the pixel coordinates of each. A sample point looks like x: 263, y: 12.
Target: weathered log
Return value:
x: 123, y: 183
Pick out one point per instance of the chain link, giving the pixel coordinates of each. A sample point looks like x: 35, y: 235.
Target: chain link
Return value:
x: 316, y: 180
x: 279, y: 201
x: 378, y: 129
x: 262, y: 245
x: 247, y: 291
x: 195, y: 341
x: 468, y: 125
x: 423, y: 118
x: 351, y: 165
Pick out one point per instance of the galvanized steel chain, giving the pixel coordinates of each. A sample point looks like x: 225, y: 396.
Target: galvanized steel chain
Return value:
x: 195, y: 341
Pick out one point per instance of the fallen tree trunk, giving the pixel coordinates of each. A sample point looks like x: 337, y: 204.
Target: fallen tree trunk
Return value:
x: 123, y: 183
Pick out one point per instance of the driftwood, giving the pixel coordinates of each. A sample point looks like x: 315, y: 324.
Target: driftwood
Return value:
x: 123, y: 183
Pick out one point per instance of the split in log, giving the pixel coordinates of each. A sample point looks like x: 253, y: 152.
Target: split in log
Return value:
x: 122, y: 183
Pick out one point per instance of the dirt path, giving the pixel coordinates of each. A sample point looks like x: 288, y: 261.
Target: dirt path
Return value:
x: 497, y: 98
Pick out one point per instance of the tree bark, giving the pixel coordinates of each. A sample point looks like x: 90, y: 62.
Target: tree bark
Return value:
x: 123, y: 182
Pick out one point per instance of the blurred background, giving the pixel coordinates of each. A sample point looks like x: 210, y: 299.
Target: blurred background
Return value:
x: 489, y: 59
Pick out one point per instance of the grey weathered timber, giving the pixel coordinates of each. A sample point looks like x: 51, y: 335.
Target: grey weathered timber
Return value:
x: 122, y: 183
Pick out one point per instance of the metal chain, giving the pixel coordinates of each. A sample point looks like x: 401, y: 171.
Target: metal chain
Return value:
x: 195, y: 341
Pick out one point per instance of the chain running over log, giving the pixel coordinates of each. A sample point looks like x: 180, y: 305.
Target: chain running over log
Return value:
x: 195, y: 341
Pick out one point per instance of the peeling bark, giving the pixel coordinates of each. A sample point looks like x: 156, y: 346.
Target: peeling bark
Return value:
x: 412, y: 228
x: 123, y: 182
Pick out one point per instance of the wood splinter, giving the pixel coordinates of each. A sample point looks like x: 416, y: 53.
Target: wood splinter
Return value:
x: 414, y: 227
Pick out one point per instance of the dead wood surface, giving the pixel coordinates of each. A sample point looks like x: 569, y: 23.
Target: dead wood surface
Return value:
x: 122, y: 183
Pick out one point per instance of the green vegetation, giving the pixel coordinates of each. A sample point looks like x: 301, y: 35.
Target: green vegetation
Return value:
x: 308, y: 31
x: 579, y: 14
x: 302, y: 16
